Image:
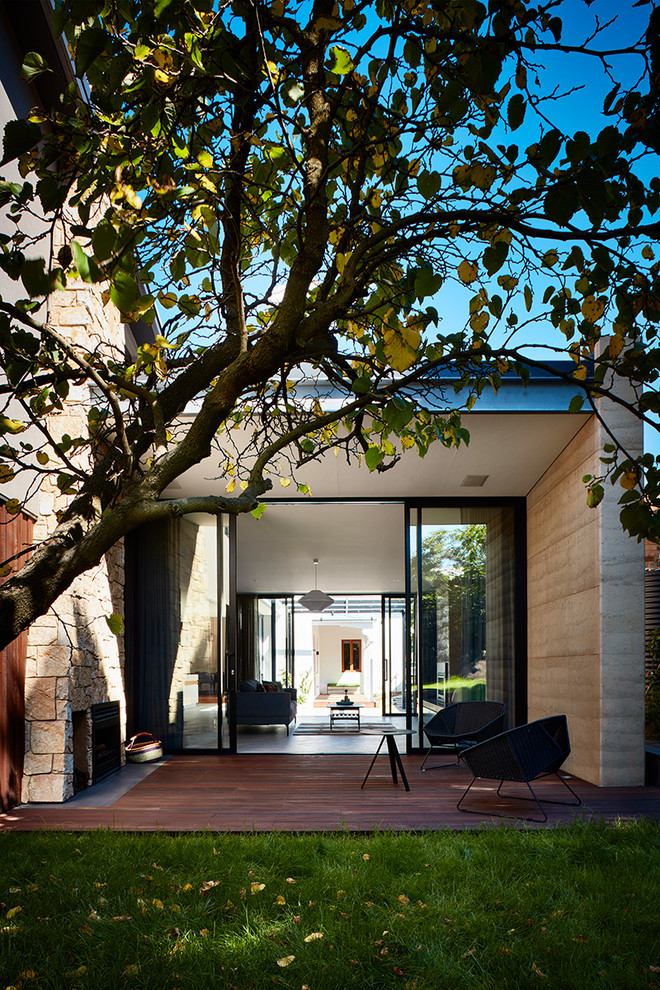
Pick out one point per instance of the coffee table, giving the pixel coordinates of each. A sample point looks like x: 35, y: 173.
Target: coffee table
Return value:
x: 392, y: 751
x: 344, y: 713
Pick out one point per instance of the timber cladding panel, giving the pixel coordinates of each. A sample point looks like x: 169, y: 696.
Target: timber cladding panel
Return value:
x: 15, y: 537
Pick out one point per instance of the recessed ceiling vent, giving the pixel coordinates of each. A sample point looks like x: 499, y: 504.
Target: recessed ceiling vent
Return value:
x: 474, y: 480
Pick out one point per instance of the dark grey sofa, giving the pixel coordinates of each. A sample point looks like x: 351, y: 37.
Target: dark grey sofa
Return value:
x: 256, y: 706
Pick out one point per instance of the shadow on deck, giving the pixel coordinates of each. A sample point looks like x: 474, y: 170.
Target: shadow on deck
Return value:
x: 301, y: 793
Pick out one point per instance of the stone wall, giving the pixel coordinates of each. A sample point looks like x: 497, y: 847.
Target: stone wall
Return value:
x: 586, y: 614
x: 74, y: 660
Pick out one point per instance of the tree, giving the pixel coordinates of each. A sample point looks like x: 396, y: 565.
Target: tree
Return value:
x: 289, y: 185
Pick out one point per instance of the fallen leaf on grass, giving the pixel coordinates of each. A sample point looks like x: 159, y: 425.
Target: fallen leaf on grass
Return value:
x: 256, y: 887
x: 313, y: 937
x: 280, y: 900
x: 285, y: 961
x: 131, y: 970
x: 538, y: 972
x: 12, y: 912
x: 654, y: 969
x: 402, y: 899
x: 290, y: 880
x: 366, y: 856
x: 207, y: 885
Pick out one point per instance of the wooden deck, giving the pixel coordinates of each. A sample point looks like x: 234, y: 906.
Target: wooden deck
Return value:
x: 302, y: 793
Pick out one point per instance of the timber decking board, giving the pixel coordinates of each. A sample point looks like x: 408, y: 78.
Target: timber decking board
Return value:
x: 303, y: 793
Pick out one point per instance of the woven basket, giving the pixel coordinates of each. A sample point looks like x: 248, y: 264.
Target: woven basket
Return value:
x: 143, y: 748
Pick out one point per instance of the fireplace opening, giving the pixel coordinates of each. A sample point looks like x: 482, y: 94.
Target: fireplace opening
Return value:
x: 106, y: 740
x: 81, y: 750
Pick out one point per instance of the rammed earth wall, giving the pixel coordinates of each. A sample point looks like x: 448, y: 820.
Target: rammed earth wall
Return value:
x: 586, y: 616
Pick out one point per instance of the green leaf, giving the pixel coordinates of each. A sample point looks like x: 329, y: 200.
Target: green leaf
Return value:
x: 515, y: 111
x: 20, y: 136
x: 373, y: 457
x: 341, y: 63
x: 576, y: 403
x: 87, y: 267
x: 104, y: 240
x: 124, y: 292
x: 429, y: 183
x: 259, y: 511
x: 90, y: 45
x: 33, y: 66
x: 160, y: 6
x: 427, y: 282
x: 115, y: 624
x: 595, y: 496
x: 561, y: 202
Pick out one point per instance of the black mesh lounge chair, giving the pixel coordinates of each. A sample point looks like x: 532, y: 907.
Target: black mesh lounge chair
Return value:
x: 521, y: 754
x: 461, y: 725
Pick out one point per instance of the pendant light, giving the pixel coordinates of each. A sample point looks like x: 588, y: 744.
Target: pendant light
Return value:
x: 315, y: 600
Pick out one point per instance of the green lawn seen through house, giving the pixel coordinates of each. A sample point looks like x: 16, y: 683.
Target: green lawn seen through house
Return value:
x: 497, y: 907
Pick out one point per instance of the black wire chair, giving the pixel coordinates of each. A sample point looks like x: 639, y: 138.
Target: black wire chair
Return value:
x: 521, y: 755
x: 461, y: 725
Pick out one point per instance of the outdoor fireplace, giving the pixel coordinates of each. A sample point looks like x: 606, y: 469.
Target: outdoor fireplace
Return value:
x: 106, y: 740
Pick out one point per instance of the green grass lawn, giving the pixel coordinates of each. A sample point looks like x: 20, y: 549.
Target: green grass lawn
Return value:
x: 497, y: 907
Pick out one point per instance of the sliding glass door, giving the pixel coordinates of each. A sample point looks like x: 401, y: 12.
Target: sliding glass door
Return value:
x: 464, y: 640
x: 393, y: 618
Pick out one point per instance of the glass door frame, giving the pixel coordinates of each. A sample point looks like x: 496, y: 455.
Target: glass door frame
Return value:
x: 415, y: 742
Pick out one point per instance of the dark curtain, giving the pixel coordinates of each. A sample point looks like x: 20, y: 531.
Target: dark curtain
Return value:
x: 247, y: 661
x: 153, y: 624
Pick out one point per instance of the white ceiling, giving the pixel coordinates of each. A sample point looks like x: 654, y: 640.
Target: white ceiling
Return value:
x: 360, y: 546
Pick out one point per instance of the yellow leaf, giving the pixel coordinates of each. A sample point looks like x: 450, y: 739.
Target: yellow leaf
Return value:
x: 280, y: 900
x: 285, y: 482
x: 187, y: 886
x: 285, y: 961
x: 164, y: 78
x: 256, y: 887
x: 157, y: 904
x: 592, y: 308
x: 11, y: 425
x: 342, y: 261
x: 628, y: 480
x: 163, y: 58
x: 12, y: 912
x: 366, y: 855
x: 397, y: 352
x: 131, y: 970
x: 467, y: 271
x: 616, y: 345
x: 402, y: 899
x: 313, y: 937
x: 580, y: 373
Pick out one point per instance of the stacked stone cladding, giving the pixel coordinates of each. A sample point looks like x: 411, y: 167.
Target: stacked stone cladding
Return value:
x: 74, y: 660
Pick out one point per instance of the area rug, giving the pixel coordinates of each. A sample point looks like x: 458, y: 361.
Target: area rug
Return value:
x: 317, y: 729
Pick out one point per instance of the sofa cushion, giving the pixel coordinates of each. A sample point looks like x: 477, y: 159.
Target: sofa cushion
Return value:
x: 250, y: 685
x: 271, y: 686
